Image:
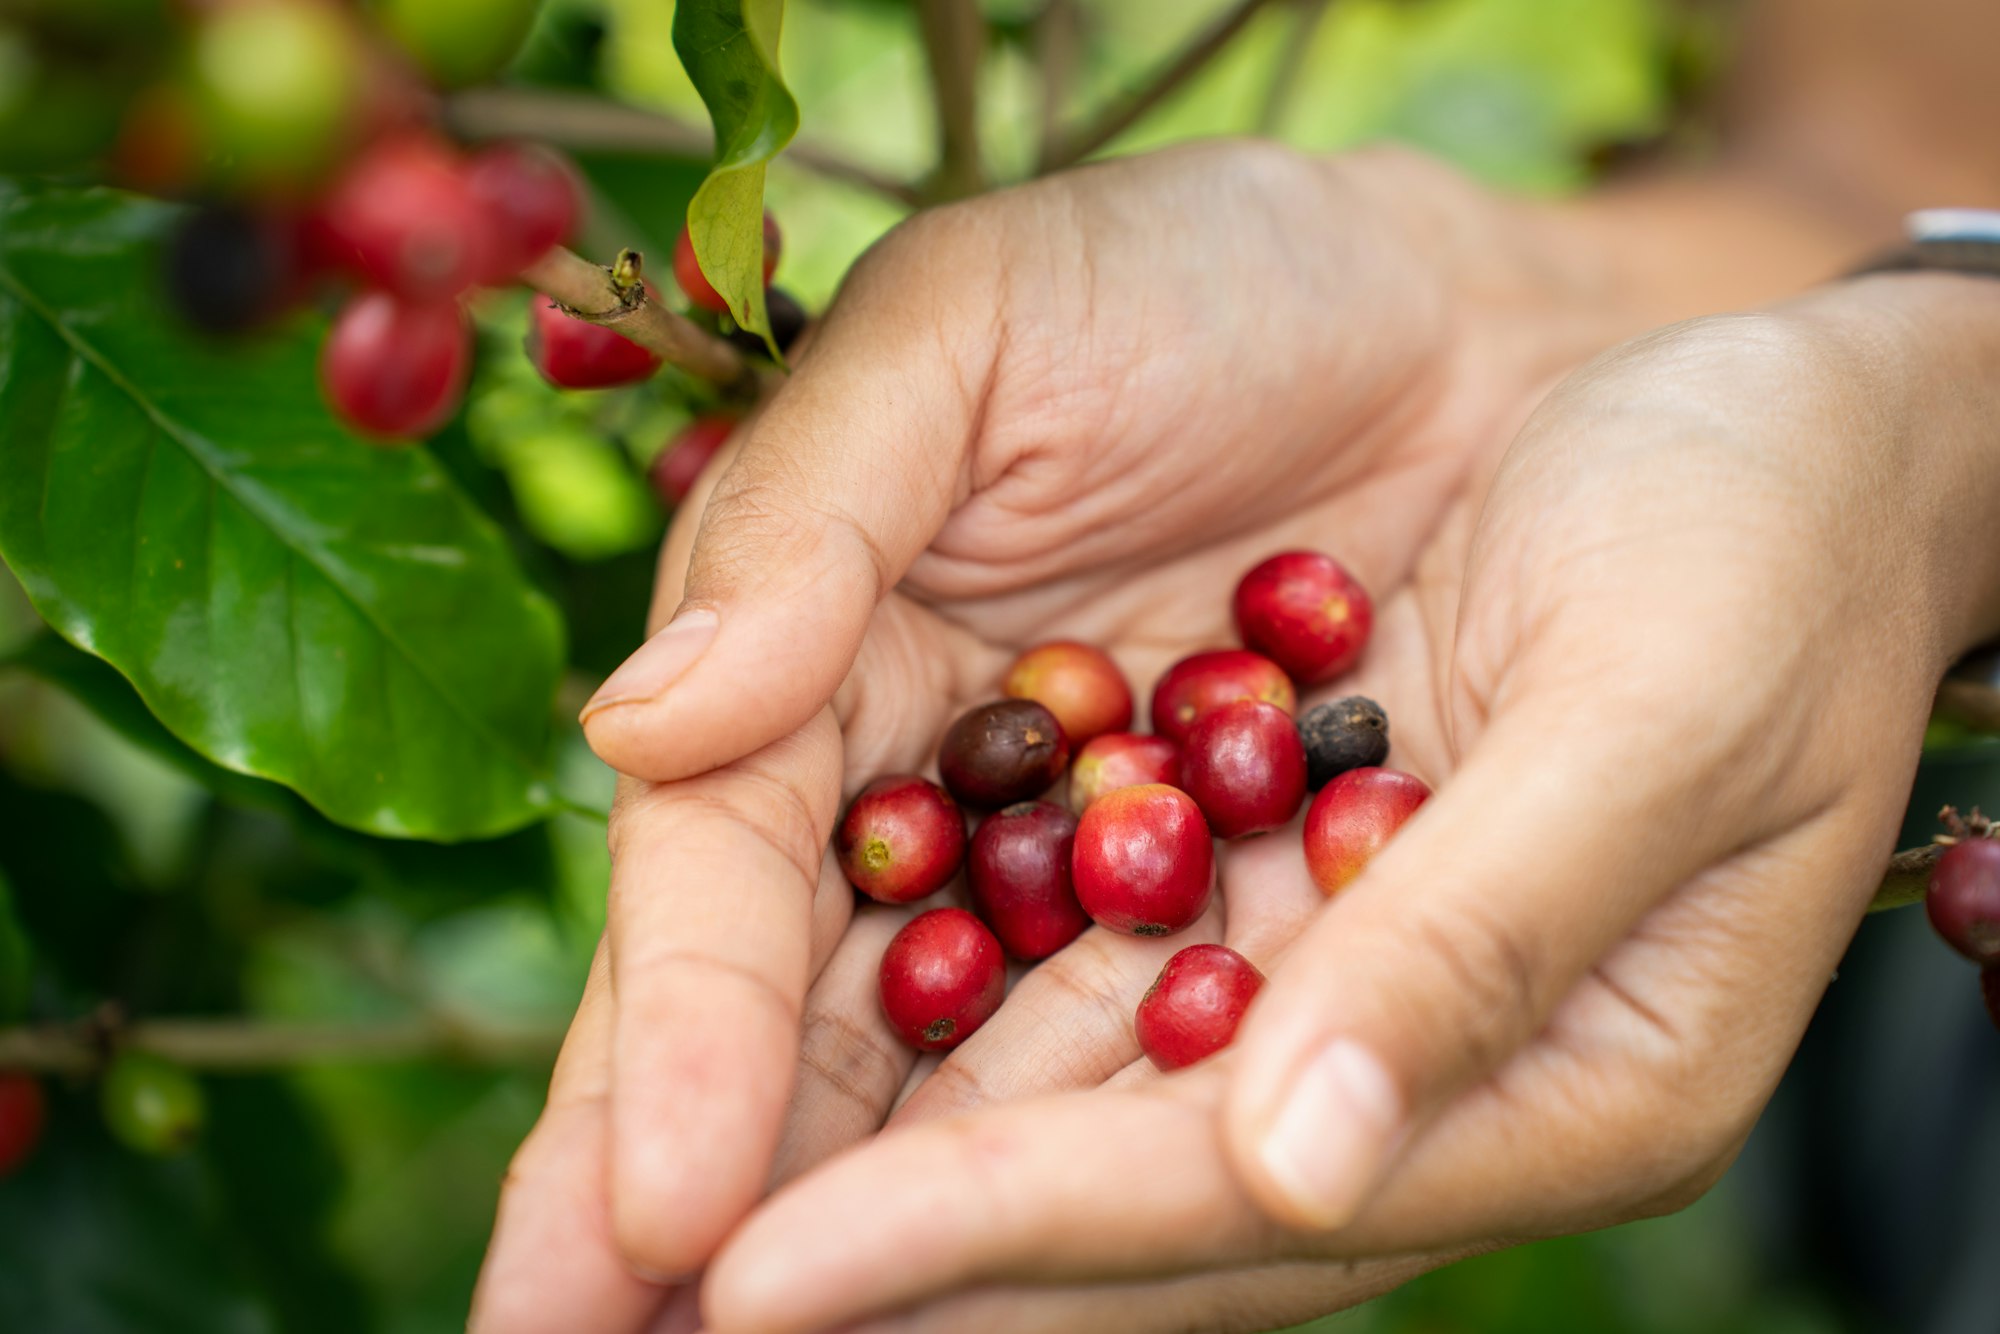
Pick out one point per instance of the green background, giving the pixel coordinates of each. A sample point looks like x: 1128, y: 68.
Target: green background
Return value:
x: 358, y: 1198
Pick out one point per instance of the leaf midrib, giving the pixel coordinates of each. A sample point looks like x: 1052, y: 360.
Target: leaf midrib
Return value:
x: 196, y: 447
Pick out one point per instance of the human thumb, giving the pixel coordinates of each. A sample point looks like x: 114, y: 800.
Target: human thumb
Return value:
x: 838, y: 486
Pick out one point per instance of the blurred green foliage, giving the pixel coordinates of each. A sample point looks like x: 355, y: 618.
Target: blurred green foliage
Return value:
x: 133, y: 870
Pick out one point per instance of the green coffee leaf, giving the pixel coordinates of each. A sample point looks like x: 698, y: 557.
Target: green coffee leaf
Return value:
x: 287, y: 600
x: 730, y: 51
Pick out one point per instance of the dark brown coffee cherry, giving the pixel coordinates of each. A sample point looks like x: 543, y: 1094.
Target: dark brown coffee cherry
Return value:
x: 788, y: 321
x: 1000, y: 753
x: 228, y: 269
x: 1351, y: 733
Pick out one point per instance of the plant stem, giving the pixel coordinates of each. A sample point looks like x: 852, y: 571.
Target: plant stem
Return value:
x: 243, y: 1044
x: 954, y: 43
x: 1291, y: 60
x: 580, y: 121
x: 586, y: 291
x: 1056, y: 37
x: 1122, y: 115
x: 1907, y: 878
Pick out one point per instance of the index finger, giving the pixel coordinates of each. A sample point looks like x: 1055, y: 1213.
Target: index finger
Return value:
x: 713, y: 886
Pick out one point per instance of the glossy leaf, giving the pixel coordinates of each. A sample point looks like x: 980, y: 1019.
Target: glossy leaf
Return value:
x: 730, y: 51
x: 96, y: 684
x: 287, y: 600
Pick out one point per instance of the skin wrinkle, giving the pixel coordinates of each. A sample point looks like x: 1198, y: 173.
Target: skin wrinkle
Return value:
x: 851, y: 1060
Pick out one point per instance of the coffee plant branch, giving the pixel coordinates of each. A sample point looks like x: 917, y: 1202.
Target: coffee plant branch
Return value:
x: 954, y: 45
x: 1127, y: 111
x: 229, y: 1044
x: 616, y: 298
x: 584, y: 123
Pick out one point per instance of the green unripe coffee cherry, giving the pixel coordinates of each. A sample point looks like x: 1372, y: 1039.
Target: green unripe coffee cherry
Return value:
x: 458, y: 42
x: 151, y: 1105
x: 278, y: 83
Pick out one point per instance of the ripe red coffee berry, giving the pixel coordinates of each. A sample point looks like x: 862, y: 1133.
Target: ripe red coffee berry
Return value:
x: 681, y: 464
x: 405, y: 217
x: 1245, y: 766
x: 1195, y: 685
x: 901, y: 839
x: 1193, y: 1007
x: 24, y: 1111
x: 1019, y: 866
x: 576, y: 354
x: 1144, y: 861
x: 1121, y: 759
x: 687, y: 269
x: 1078, y: 683
x: 1351, y: 819
x: 530, y: 196
x: 942, y: 977
x: 1000, y: 753
x: 1964, y: 899
x: 396, y: 369
x: 1306, y: 613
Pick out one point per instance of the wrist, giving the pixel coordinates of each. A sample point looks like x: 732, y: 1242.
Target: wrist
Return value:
x: 1928, y: 348
x: 1671, y: 247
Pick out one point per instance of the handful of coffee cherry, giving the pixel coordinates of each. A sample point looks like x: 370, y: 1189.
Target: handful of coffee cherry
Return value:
x: 1132, y: 849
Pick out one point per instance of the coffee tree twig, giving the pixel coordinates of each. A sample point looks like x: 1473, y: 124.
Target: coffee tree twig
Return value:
x: 585, y: 123
x: 1127, y: 111
x: 616, y: 298
x: 235, y: 1044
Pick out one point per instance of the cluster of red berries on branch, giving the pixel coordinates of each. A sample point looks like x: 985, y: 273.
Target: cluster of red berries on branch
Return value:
x: 341, y: 185
x: 1131, y: 844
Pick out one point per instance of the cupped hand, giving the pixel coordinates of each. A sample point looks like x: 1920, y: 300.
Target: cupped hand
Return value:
x: 1671, y: 672
x: 1079, y: 409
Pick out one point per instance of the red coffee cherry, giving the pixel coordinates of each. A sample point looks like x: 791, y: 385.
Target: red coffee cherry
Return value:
x: 1144, y: 861
x: 681, y: 464
x: 393, y: 369
x: 1193, y: 1007
x: 576, y: 354
x: 1245, y: 766
x: 1019, y: 866
x: 1195, y: 685
x: 1078, y: 683
x: 1964, y: 899
x: 1121, y: 759
x: 530, y: 197
x: 1000, y: 753
x: 687, y: 269
x: 1352, y: 817
x: 24, y: 1112
x: 901, y: 840
x: 1306, y: 613
x: 942, y: 977
x: 404, y: 215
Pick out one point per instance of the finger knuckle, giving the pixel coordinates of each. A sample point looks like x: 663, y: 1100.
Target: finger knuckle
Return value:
x: 1498, y: 996
x: 852, y: 1062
